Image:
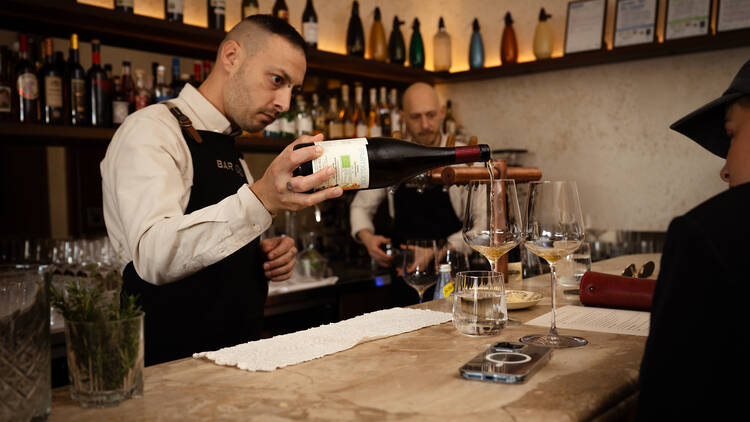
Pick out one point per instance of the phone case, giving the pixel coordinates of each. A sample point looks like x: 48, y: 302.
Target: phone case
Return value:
x: 507, y: 362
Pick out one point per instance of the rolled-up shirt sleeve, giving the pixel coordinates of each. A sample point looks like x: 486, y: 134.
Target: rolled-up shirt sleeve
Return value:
x: 363, y: 208
x: 146, y: 188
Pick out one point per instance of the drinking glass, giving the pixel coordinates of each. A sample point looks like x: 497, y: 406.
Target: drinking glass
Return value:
x: 420, y: 265
x: 479, y: 305
x: 554, y: 230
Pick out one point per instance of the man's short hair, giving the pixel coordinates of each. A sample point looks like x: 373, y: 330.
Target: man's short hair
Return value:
x: 281, y: 28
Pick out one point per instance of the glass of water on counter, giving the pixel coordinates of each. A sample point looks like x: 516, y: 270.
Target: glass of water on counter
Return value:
x: 574, y: 266
x: 479, y: 306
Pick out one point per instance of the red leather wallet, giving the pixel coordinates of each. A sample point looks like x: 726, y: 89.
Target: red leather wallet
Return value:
x: 614, y: 291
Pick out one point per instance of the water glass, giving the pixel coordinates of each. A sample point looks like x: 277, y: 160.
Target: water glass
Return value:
x: 572, y: 268
x: 479, y: 305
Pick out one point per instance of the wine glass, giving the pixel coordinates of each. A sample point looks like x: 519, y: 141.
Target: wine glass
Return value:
x: 420, y: 265
x: 554, y: 230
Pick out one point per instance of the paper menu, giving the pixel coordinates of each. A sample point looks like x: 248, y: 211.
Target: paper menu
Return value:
x: 605, y: 320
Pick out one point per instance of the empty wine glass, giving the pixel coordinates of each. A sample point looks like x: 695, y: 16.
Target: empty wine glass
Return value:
x: 554, y: 230
x: 420, y: 265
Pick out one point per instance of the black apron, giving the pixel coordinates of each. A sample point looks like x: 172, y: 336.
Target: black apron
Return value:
x: 220, y: 305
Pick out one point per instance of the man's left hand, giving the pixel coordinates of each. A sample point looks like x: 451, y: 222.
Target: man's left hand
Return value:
x: 281, y: 255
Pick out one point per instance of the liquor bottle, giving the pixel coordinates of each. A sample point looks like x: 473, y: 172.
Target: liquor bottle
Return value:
x: 288, y: 124
x: 52, y: 88
x: 162, y: 91
x: 206, y: 69
x: 384, y: 113
x: 377, y: 49
x: 416, y: 47
x: 318, y: 113
x: 176, y: 85
x: 441, y: 58
x: 508, y: 44
x: 543, y: 38
x: 120, y: 105
x: 196, y: 79
x: 75, y: 87
x: 249, y: 8
x: 128, y: 85
x: 373, y: 117
x: 355, y: 34
x: 280, y: 10
x: 381, y: 162
x: 108, y: 70
x: 310, y: 25
x: 346, y: 113
x: 360, y: 117
x: 99, y: 89
x: 395, y: 112
x: 173, y: 10
x: 6, y: 88
x: 396, y: 46
x: 124, y: 6
x: 334, y: 124
x: 476, y: 47
x: 303, y: 119
x: 27, y: 86
x: 216, y: 14
x: 449, y: 123
x: 142, y: 94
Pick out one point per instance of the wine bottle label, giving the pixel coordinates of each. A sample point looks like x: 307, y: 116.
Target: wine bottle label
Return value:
x: 450, y: 126
x: 219, y: 6
x: 5, y: 93
x: 304, y: 126
x: 53, y: 95
x: 175, y: 6
x: 335, y: 130
x: 78, y: 95
x: 349, y: 129
x: 288, y: 127
x: 28, y: 86
x: 310, y: 32
x: 349, y: 158
x: 361, y: 130
x: 119, y: 111
x: 395, y: 121
x: 375, y: 131
x: 282, y: 14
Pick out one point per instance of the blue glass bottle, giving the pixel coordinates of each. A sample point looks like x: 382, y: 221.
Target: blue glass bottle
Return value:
x: 476, y: 48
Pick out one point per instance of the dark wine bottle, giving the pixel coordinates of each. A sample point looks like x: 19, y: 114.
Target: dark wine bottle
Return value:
x: 310, y: 25
x: 52, y: 87
x: 6, y: 88
x: 280, y: 10
x: 396, y: 46
x: 27, y: 86
x: 173, y: 10
x: 355, y: 33
x: 99, y: 89
x: 75, y: 87
x: 369, y: 163
x: 176, y: 84
x: 124, y: 6
x: 120, y: 106
x: 416, y: 47
x: 216, y: 14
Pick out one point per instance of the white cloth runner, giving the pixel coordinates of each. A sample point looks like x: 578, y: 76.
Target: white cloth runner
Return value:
x: 289, y: 349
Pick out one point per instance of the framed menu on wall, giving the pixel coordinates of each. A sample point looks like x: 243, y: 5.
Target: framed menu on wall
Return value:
x: 635, y: 22
x: 584, y: 28
x: 687, y: 18
x: 733, y: 14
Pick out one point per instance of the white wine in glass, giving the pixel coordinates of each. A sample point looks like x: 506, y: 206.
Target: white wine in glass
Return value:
x: 420, y: 265
x: 554, y: 230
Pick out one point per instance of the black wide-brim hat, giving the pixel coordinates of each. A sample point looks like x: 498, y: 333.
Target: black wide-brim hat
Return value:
x: 706, y: 125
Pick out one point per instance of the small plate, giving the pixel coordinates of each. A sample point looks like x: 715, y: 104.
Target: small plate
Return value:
x: 521, y: 299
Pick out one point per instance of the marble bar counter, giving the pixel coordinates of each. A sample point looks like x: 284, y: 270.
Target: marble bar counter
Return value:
x: 412, y: 376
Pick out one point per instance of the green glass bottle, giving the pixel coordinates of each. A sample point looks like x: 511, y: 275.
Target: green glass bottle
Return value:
x: 416, y: 47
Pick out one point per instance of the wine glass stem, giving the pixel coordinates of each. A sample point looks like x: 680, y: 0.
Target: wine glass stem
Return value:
x: 493, y: 265
x: 553, y: 295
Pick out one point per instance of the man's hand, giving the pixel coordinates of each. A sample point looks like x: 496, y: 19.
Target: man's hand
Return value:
x: 279, y: 190
x: 372, y: 242
x: 281, y: 255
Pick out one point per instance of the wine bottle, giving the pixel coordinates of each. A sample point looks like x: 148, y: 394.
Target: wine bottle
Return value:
x: 249, y: 8
x: 384, y: 112
x: 162, y: 91
x: 416, y: 47
x: 75, y: 86
x: 333, y: 123
x: 216, y: 14
x: 508, y: 44
x: 52, y: 88
x: 396, y: 46
x: 395, y: 112
x: 124, y: 6
x: 441, y: 58
x: 310, y: 25
x: 27, y: 86
x: 318, y: 114
x: 119, y: 103
x: 346, y: 113
x: 99, y: 89
x: 476, y: 47
x: 355, y: 34
x: 6, y: 88
x: 543, y: 38
x: 176, y: 85
x: 360, y: 117
x: 303, y: 119
x: 142, y: 94
x: 280, y: 10
x: 370, y: 163
x: 449, y: 123
x: 377, y: 49
x: 173, y: 10
x: 196, y: 79
x: 373, y: 118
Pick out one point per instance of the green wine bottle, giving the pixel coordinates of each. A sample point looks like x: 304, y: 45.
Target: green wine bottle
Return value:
x: 416, y: 47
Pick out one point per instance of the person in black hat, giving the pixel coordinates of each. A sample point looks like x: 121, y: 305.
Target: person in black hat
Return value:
x: 695, y: 352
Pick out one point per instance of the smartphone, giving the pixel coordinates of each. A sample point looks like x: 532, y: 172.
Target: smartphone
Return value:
x: 508, y: 362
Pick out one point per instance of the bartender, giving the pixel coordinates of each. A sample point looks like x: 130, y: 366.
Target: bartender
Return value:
x: 181, y: 207
x: 431, y: 214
